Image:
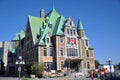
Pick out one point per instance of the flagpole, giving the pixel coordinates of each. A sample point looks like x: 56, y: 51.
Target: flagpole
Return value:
x: 53, y: 3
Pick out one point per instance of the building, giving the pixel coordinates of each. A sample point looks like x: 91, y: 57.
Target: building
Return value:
x: 55, y: 41
x: 3, y: 55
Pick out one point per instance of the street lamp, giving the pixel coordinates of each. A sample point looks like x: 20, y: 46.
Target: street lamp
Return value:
x: 20, y: 62
x: 109, y: 63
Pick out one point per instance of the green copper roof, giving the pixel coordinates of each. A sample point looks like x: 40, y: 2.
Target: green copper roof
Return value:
x: 79, y: 26
x: 12, y: 50
x: 53, y: 16
x: 16, y: 37
x: 10, y: 47
x: 45, y: 31
x: 35, y: 24
x: 21, y: 33
x: 85, y: 37
x: 90, y: 47
x: 59, y: 26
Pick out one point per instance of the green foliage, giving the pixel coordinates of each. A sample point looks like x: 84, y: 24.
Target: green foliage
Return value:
x: 37, y: 68
x: 96, y: 64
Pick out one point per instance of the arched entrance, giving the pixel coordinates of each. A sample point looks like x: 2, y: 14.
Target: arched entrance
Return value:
x: 73, y: 64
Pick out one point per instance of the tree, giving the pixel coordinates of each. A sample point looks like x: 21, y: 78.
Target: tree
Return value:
x: 37, y: 69
x: 96, y: 64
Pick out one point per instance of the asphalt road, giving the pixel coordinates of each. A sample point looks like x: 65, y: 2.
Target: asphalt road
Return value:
x: 8, y: 78
x: 58, y: 78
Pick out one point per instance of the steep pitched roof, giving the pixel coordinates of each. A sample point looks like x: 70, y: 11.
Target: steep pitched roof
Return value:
x: 85, y: 37
x: 79, y: 25
x: 53, y: 15
x: 59, y: 25
x: 46, y: 30
x: 16, y: 37
x: 21, y: 33
x: 12, y: 50
x: 35, y: 24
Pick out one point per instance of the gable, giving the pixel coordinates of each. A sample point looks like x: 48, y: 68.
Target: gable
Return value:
x: 35, y: 24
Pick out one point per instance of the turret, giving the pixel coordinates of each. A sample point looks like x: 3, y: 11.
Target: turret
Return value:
x: 42, y: 14
x: 80, y: 29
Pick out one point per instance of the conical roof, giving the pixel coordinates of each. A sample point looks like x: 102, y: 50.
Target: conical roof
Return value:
x: 79, y: 26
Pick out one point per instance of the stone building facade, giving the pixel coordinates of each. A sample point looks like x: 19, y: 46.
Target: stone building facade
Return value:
x: 3, y: 54
x: 55, y: 41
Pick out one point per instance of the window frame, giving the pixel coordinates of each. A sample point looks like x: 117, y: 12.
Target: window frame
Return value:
x: 45, y: 51
x: 61, y: 52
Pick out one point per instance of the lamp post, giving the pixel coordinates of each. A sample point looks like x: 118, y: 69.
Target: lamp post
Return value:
x: 20, y: 62
x: 109, y: 63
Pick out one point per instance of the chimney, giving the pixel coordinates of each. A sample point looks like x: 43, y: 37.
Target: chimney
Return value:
x: 42, y: 14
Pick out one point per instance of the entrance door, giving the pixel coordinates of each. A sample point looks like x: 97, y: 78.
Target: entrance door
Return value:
x: 74, y: 66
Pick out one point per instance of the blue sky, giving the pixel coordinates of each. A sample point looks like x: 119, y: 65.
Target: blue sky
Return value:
x: 100, y: 19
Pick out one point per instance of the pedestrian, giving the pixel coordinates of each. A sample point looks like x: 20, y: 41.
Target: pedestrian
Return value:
x: 92, y: 75
x: 101, y: 74
x: 98, y: 75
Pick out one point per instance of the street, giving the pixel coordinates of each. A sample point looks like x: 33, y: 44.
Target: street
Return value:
x: 8, y: 78
x: 58, y: 78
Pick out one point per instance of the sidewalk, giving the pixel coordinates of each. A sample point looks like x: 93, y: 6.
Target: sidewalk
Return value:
x: 67, y: 78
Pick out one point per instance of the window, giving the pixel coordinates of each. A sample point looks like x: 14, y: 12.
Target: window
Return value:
x: 47, y: 40
x: 51, y: 52
x: 74, y: 32
x: 61, y: 39
x: 61, y: 51
x: 70, y: 22
x: 62, y: 65
x: 71, y: 32
x: 88, y: 65
x: 45, y: 51
x: 85, y: 65
x: 72, y: 52
x: 47, y: 66
x: 68, y: 31
x: 87, y: 53
x: 86, y: 41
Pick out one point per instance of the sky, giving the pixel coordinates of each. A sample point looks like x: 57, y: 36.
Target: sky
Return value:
x: 100, y: 19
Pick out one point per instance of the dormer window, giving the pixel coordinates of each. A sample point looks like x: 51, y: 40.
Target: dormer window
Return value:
x: 48, y: 40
